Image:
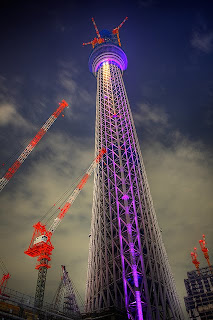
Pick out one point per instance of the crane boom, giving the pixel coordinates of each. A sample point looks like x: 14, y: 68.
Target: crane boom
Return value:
x: 120, y: 25
x: 23, y: 156
x: 194, y: 259
x: 75, y: 193
x: 96, y: 28
x: 86, y: 43
x: 116, y: 31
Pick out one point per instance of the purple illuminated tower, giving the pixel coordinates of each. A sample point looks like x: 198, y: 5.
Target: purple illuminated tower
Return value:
x: 128, y: 268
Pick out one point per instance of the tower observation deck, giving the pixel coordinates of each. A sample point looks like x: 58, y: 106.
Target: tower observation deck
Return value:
x: 128, y: 268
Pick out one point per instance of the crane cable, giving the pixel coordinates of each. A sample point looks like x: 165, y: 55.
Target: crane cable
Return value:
x: 23, y: 144
x: 68, y: 191
x: 10, y: 158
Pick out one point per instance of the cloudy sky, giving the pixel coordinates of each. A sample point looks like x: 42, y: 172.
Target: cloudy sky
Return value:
x: 169, y: 45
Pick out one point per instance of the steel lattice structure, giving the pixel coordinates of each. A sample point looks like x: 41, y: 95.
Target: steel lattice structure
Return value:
x: 128, y: 268
x: 65, y: 299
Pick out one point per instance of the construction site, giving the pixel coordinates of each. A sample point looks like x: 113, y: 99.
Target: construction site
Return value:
x: 199, y: 287
x: 129, y: 275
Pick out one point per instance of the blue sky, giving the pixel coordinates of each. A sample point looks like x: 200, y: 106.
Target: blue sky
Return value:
x: 169, y: 82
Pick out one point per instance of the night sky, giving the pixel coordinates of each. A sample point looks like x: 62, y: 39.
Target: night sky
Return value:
x: 169, y: 82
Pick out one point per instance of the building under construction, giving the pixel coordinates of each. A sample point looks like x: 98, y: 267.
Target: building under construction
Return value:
x: 199, y: 300
x: 16, y: 305
x: 199, y: 287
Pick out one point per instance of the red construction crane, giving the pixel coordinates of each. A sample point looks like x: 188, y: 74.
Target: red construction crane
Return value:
x: 116, y: 31
x: 4, y: 279
x: 41, y: 246
x: 95, y: 40
x: 194, y: 259
x: 100, y: 40
x: 23, y: 156
x: 96, y: 28
x: 204, y: 249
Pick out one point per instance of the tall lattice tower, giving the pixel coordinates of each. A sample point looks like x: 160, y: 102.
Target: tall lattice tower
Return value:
x: 128, y: 268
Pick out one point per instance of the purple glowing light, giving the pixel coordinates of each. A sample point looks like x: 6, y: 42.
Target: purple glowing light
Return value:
x: 139, y: 306
x: 125, y: 197
x: 105, y: 62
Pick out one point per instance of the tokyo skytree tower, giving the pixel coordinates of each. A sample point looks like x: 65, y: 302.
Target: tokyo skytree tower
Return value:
x: 128, y: 268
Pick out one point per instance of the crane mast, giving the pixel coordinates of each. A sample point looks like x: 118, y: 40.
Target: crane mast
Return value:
x: 23, y: 156
x: 41, y: 246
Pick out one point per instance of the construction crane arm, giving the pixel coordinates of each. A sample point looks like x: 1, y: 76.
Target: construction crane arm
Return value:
x: 205, y: 249
x: 75, y: 193
x: 41, y: 239
x: 23, y: 156
x: 120, y: 25
x: 203, y: 244
x: 116, y: 30
x: 96, y: 28
x: 86, y: 43
x: 194, y: 258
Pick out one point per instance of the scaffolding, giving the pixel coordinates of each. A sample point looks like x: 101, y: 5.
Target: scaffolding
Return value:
x: 199, y: 300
